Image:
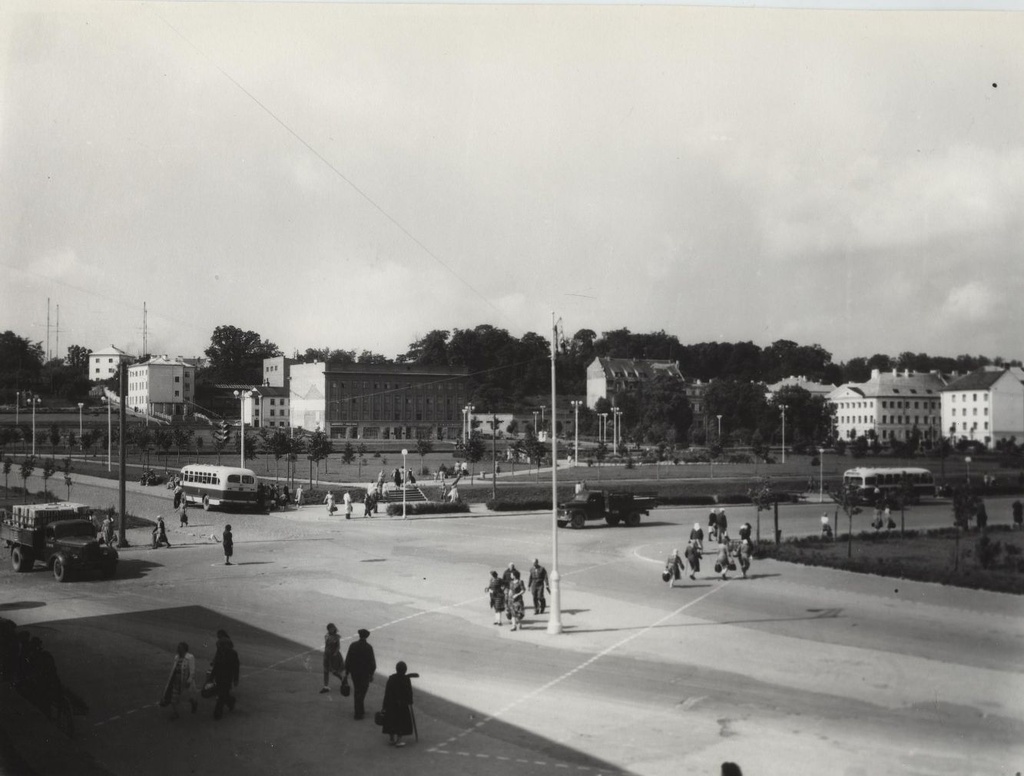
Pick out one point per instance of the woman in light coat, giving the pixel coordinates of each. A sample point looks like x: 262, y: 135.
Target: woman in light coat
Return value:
x: 182, y: 681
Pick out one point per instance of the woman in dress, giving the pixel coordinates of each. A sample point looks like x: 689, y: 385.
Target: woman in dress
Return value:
x: 516, y: 608
x: 496, y: 591
x: 398, y: 706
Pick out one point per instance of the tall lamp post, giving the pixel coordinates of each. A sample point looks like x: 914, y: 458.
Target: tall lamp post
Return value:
x: 241, y: 396
x: 542, y: 408
x: 719, y: 440
x: 576, y: 427
x: 783, y: 406
x: 17, y: 406
x: 536, y: 431
x: 821, y: 475
x: 110, y: 430
x: 34, y: 400
x: 80, y: 405
x: 615, y: 430
x: 405, y: 474
x: 604, y: 420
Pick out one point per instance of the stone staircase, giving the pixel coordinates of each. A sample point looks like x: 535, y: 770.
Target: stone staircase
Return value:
x: 412, y: 494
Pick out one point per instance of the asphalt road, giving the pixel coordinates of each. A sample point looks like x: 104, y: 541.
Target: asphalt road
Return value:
x: 794, y: 670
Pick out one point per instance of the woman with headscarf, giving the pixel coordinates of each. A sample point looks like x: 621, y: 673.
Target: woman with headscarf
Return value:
x: 516, y: 608
x: 333, y: 661
x: 673, y: 568
x: 496, y: 593
x: 397, y: 706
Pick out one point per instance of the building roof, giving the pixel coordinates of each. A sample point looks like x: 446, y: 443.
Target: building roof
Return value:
x: 907, y: 384
x: 111, y: 351
x: 810, y: 386
x: 982, y: 379
x: 164, y: 360
x: 638, y: 368
x: 271, y: 391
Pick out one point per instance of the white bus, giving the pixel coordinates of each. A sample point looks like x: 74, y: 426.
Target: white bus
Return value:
x: 889, y: 482
x: 218, y: 486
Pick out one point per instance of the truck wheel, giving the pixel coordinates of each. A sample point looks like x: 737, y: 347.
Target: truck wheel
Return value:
x: 22, y: 559
x: 612, y: 519
x: 633, y: 519
x: 60, y: 571
x: 562, y: 523
x: 578, y: 520
x: 206, y: 503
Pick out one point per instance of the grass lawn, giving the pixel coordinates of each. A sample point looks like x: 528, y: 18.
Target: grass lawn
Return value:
x: 933, y: 556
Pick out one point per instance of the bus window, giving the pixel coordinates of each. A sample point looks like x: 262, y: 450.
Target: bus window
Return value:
x: 869, y: 481
x: 248, y: 480
x: 233, y: 478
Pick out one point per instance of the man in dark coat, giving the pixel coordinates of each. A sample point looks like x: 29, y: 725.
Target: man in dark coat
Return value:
x: 398, y: 706
x: 225, y: 670
x: 538, y: 584
x: 360, y: 664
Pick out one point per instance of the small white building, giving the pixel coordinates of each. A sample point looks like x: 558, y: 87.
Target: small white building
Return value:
x: 103, y: 364
x: 162, y: 386
x: 812, y: 387
x: 985, y: 406
x: 891, y: 404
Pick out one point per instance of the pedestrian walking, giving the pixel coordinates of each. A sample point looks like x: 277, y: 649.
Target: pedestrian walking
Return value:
x: 298, y: 497
x: 182, y: 681
x: 723, y: 524
x: 160, y: 534
x: 722, y: 560
x: 108, y: 531
x: 397, y: 477
x: 713, y: 525
x: 360, y: 665
x: 225, y: 671
x: 368, y: 503
x: 496, y: 596
x: 228, y: 540
x: 516, y: 608
x: 347, y: 499
x: 697, y: 534
x: 329, y: 501
x: 693, y: 553
x: 673, y: 568
x: 826, y: 527
x: 333, y: 662
x: 397, y: 706
x: 538, y: 584
x: 184, y: 513
x: 1017, y: 510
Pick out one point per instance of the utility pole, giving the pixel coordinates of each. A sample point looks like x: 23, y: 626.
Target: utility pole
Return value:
x: 122, y: 451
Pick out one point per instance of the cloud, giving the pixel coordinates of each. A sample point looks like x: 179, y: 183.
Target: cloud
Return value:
x: 970, y: 303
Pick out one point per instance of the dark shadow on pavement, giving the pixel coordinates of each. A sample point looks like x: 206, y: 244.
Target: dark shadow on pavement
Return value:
x: 21, y: 605
x: 132, y: 568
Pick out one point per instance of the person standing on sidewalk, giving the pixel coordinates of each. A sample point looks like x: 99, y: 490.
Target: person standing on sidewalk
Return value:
x: 397, y: 706
x: 347, y: 499
x: 184, y: 513
x: 298, y: 497
x: 538, y: 584
x: 228, y: 540
x: 225, y: 670
x: 361, y: 665
x: 496, y: 595
x: 160, y: 534
x: 333, y: 662
x: 329, y: 501
x: 514, y: 601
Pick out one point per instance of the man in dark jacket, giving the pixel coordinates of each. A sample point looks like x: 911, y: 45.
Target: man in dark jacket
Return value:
x: 225, y: 671
x: 360, y: 665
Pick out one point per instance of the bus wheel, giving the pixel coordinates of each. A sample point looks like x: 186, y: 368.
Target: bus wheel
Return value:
x: 206, y: 503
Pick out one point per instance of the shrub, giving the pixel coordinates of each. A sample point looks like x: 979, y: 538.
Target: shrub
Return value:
x: 511, y: 504
x: 427, y: 508
x: 988, y: 552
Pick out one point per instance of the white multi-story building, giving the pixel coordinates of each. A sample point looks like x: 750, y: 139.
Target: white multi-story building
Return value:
x: 985, y: 406
x: 161, y: 386
x: 103, y: 364
x: 891, y: 404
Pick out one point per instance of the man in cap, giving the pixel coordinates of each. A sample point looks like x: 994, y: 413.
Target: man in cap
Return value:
x: 360, y: 664
x: 538, y: 584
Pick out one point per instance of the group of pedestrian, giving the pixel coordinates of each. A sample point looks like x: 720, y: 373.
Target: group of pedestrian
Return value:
x: 222, y: 677
x: 276, y: 496
x: 358, y: 666
x: 29, y: 668
x: 506, y: 593
x: 731, y: 554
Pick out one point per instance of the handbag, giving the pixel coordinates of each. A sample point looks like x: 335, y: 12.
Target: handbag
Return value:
x: 209, y: 688
x: 666, y: 575
x: 378, y: 718
x: 345, y: 689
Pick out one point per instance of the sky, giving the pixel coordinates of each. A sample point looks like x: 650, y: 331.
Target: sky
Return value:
x: 355, y: 176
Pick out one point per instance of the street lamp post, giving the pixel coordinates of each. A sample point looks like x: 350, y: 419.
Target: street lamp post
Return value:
x: 241, y: 396
x: 967, y: 458
x: 615, y: 430
x: 17, y: 406
x: 719, y: 440
x: 821, y: 475
x: 80, y: 405
x: 783, y: 406
x: 542, y: 408
x: 604, y: 422
x: 110, y: 430
x: 405, y: 474
x: 34, y: 400
x: 576, y: 428
x: 536, y: 431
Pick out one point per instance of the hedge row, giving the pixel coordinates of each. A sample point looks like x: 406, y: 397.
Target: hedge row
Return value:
x: 427, y: 508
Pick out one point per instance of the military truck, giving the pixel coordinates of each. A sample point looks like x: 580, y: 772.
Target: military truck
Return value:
x: 60, y: 535
x: 613, y: 508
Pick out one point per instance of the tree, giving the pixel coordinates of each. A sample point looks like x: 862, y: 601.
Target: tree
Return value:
x: 348, y: 453
x: 361, y: 451
x: 66, y: 469
x: 664, y: 412
x: 475, y: 450
x: 430, y: 350
x: 424, y: 447
x: 164, y: 439
x: 8, y: 463
x: 53, y: 436
x: 49, y: 467
x: 182, y: 438
x: 28, y: 465
x: 78, y: 358
x: 318, y: 449
x: 237, y: 356
x: 21, y: 361
x: 762, y: 497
